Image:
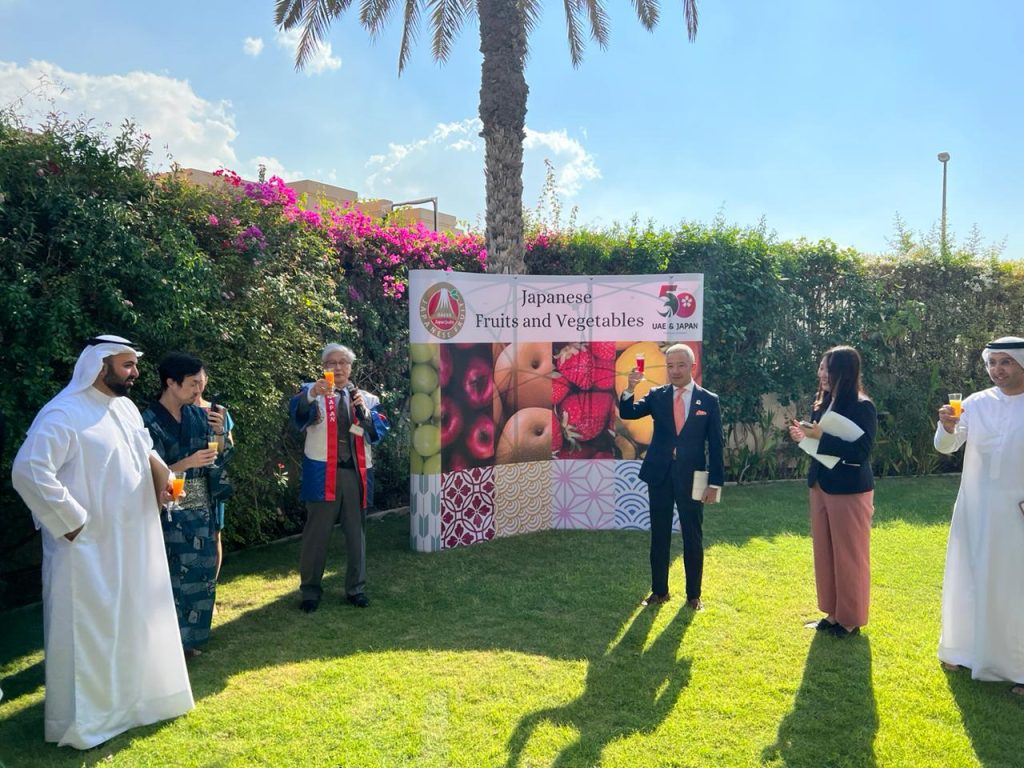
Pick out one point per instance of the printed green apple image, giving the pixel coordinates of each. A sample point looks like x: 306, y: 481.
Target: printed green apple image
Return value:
x: 426, y: 440
x: 424, y: 378
x: 421, y: 407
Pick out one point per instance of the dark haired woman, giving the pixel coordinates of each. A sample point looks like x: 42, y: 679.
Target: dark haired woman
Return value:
x: 841, y: 498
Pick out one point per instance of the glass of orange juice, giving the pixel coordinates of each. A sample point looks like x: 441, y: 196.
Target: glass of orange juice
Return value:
x: 329, y: 375
x: 213, y: 445
x: 955, y: 400
x: 177, y: 488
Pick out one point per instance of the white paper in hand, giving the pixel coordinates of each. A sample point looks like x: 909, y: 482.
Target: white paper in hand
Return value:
x: 700, y: 484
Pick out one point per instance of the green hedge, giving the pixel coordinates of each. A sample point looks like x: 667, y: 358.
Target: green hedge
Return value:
x: 246, y: 278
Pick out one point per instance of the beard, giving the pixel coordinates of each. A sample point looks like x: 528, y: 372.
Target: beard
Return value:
x: 117, y: 385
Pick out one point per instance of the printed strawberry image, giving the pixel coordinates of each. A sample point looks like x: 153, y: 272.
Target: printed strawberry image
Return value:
x: 576, y: 365
x: 603, y: 350
x: 604, y: 373
x: 585, y: 415
x: 559, y: 388
x: 556, y: 434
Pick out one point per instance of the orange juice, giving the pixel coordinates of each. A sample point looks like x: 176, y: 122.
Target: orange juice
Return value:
x: 213, y: 445
x: 177, y: 486
x: 329, y: 375
x: 957, y: 408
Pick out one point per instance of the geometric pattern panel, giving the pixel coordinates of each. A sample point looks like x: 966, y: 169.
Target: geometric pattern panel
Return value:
x: 584, y: 493
x: 632, y: 505
x: 425, y: 513
x: 523, y: 498
x: 467, y: 507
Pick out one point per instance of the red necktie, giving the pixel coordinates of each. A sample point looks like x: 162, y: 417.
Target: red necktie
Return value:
x: 677, y: 411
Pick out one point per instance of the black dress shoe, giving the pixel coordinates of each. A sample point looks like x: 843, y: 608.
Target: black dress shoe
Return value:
x: 308, y: 606
x: 838, y: 630
x: 695, y: 604
x: 653, y: 599
x: 825, y: 625
x: 359, y: 601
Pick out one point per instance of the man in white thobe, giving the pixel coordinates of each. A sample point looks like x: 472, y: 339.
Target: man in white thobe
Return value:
x: 982, y: 608
x: 88, y: 473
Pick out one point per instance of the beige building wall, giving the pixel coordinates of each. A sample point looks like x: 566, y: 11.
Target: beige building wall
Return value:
x: 315, y: 191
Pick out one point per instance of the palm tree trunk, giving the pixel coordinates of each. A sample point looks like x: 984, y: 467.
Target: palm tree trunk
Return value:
x: 503, y: 92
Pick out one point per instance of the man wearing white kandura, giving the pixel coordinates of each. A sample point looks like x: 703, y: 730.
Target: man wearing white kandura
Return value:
x: 982, y: 610
x: 90, y: 476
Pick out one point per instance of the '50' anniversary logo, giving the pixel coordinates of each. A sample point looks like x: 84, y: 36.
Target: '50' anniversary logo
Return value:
x: 681, y: 304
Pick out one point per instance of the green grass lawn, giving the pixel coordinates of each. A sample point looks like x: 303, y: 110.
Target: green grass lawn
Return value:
x: 533, y: 651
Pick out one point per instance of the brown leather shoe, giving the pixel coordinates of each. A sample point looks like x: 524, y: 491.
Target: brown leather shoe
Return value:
x: 695, y: 604
x: 653, y: 599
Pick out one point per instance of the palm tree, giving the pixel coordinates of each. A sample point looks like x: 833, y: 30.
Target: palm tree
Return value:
x: 505, y: 26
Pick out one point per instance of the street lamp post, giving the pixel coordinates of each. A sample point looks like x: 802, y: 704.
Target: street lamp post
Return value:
x: 943, y: 158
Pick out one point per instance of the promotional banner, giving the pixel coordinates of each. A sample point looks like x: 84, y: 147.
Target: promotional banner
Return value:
x: 515, y: 380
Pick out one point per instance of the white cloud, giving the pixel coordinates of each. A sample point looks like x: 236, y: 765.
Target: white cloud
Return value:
x: 272, y: 167
x: 253, y: 46
x: 196, y: 132
x: 321, y: 59
x: 449, y: 163
x: 579, y: 167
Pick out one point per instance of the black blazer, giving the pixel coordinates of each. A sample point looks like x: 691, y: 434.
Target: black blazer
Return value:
x: 853, y: 472
x: 697, y: 447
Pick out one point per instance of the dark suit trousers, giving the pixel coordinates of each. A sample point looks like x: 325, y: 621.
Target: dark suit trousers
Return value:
x: 675, y: 491
x: 321, y: 517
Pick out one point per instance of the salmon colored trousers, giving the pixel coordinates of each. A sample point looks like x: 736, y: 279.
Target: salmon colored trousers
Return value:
x: 841, y: 536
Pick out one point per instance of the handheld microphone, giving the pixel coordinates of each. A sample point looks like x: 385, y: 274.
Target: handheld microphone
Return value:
x: 360, y: 409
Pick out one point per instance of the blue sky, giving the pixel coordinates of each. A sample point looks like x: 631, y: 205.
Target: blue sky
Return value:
x: 823, y: 118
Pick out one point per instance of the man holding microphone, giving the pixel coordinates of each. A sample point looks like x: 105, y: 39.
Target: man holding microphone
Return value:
x: 339, y: 422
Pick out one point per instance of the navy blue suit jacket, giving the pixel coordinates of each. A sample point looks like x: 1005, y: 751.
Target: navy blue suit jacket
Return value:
x: 697, y: 447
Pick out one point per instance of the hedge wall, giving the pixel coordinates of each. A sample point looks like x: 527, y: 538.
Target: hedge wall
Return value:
x: 254, y: 282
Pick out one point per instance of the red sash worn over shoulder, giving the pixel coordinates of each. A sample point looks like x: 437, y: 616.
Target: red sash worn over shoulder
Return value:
x: 331, y: 472
x: 359, y: 457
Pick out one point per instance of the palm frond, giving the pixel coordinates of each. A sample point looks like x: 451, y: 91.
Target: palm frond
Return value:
x: 531, y: 14
x: 409, y: 31
x: 288, y: 12
x: 446, y: 20
x: 572, y: 25
x: 598, y: 22
x: 316, y: 22
x: 690, y: 11
x: 373, y: 14
x: 648, y: 13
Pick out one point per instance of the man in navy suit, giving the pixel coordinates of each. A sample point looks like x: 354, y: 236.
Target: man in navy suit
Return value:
x: 687, y: 437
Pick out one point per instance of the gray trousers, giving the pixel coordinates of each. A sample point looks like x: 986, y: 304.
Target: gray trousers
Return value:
x: 316, y: 536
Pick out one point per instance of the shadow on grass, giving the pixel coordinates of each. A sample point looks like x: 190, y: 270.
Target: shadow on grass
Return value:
x: 834, y: 720
x: 629, y: 690
x: 984, y: 708
x: 559, y: 594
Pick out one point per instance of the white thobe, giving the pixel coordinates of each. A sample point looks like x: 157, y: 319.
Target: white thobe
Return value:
x: 113, y: 654
x: 982, y: 604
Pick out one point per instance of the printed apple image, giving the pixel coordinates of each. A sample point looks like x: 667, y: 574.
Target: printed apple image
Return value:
x: 435, y: 398
x: 422, y: 353
x: 477, y: 383
x: 457, y: 462
x: 415, y: 463
x: 526, y: 437
x: 451, y: 421
x: 444, y: 366
x: 421, y: 407
x: 426, y: 440
x: 480, y: 438
x: 432, y: 465
x: 423, y: 378
x: 522, y: 374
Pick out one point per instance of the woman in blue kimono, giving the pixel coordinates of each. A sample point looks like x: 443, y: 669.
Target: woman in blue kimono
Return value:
x: 181, y: 432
